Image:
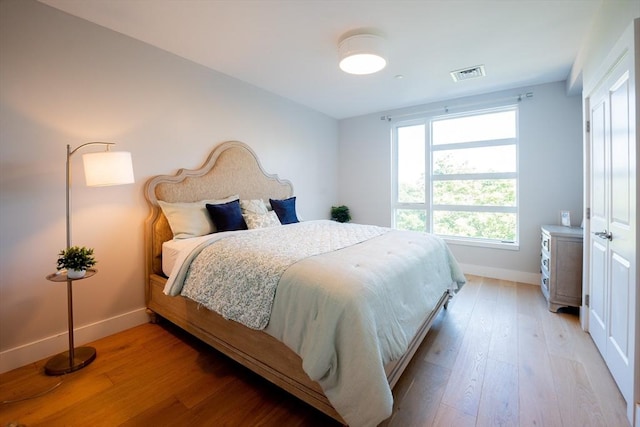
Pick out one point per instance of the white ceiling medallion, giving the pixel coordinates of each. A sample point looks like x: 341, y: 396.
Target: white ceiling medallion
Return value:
x: 468, y: 73
x: 362, y: 54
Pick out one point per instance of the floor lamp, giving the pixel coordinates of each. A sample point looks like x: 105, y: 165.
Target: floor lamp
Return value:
x: 100, y: 169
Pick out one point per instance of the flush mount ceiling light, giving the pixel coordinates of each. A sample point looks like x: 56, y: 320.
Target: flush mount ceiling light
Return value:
x: 362, y: 54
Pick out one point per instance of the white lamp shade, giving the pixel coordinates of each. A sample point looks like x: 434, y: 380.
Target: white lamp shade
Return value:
x: 108, y: 168
x: 362, y: 54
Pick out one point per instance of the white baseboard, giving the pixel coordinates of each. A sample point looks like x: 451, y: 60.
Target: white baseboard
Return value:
x: 32, y: 352
x: 501, y: 273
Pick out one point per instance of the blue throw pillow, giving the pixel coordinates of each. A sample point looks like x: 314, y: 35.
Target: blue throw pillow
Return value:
x: 285, y: 209
x: 227, y: 216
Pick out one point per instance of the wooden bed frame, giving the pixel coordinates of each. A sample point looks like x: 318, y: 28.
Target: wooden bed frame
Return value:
x: 233, y: 168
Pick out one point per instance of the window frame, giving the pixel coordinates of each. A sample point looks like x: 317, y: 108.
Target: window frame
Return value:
x: 396, y: 205
x: 428, y: 206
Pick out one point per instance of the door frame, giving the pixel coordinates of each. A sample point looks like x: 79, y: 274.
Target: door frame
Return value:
x: 586, y: 202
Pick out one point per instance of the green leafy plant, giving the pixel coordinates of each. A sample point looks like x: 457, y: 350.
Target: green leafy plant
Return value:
x: 340, y: 213
x: 76, y: 258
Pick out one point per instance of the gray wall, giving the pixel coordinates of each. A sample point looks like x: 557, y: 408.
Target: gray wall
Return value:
x: 64, y: 81
x: 550, y: 161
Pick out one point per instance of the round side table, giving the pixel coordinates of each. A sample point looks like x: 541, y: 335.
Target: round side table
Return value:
x: 76, y: 357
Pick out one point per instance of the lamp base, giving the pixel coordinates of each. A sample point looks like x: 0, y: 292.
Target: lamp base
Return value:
x: 60, y: 364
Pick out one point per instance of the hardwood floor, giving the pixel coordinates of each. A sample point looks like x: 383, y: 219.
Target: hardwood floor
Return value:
x: 496, y: 357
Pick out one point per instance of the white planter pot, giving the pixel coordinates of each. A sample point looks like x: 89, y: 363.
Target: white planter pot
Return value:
x: 76, y: 274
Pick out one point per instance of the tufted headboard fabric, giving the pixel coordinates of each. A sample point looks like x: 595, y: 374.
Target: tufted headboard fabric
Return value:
x: 231, y: 168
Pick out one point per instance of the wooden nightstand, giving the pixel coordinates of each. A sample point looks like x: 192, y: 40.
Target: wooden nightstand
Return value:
x: 561, y: 266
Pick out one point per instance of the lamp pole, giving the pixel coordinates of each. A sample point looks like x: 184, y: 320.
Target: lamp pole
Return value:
x: 75, y: 358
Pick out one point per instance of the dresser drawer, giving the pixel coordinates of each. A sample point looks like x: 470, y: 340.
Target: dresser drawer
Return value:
x: 546, y: 242
x: 544, y: 263
x: 544, y: 284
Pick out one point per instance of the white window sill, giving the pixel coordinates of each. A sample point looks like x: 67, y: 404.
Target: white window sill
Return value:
x: 489, y: 244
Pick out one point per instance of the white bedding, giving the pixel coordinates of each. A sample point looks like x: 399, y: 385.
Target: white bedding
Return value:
x: 237, y: 276
x: 349, y: 312
x: 171, y: 250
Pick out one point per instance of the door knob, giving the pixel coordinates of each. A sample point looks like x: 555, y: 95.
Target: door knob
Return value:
x: 604, y: 235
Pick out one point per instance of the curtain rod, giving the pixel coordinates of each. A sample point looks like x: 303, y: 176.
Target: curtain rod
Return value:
x: 519, y: 98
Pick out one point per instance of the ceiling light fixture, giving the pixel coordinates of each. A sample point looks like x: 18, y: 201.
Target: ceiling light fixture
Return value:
x: 362, y: 54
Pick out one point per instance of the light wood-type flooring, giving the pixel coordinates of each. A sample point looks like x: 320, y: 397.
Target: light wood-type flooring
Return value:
x: 496, y: 357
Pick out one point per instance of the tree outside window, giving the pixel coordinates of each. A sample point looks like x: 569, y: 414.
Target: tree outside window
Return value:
x: 460, y: 179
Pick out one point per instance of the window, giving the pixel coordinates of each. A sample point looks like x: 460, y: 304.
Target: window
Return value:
x: 457, y: 176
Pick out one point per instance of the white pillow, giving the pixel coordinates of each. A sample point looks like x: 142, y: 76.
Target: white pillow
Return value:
x: 191, y: 219
x: 254, y: 206
x: 269, y: 219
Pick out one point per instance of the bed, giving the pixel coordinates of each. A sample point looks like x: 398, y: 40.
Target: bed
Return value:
x: 285, y: 351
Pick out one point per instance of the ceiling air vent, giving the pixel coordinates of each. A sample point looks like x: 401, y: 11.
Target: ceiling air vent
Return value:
x: 468, y: 73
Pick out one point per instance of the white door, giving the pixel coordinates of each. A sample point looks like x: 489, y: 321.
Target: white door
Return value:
x: 612, y: 268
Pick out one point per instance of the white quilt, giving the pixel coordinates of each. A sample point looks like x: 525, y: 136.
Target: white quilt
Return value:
x: 349, y: 312
x: 237, y: 276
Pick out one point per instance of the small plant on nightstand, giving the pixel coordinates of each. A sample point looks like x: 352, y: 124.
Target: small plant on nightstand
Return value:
x: 76, y: 260
x: 340, y: 213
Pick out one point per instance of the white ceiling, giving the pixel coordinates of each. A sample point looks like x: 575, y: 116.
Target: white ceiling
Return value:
x: 289, y: 47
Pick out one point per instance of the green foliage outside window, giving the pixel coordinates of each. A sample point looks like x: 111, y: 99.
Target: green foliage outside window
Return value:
x: 411, y: 219
x: 412, y: 192
x: 481, y: 225
x: 482, y: 192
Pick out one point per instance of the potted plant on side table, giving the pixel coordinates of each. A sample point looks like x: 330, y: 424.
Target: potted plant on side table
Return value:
x: 76, y: 260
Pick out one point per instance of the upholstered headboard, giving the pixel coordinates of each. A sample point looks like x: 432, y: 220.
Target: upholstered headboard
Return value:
x: 231, y: 168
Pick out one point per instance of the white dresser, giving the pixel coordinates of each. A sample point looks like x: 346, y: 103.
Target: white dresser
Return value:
x: 561, y: 266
